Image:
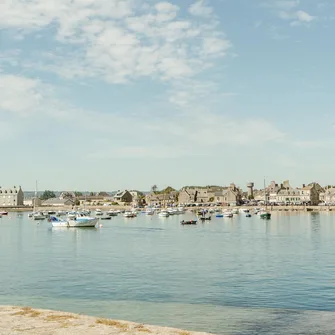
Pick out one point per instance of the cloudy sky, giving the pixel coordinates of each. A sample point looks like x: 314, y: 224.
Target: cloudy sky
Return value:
x: 113, y: 94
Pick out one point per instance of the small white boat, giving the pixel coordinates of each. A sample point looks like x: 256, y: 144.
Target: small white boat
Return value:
x: 98, y: 212
x: 164, y: 214
x: 112, y: 213
x: 244, y: 210
x: 38, y: 216
x: 129, y: 214
x: 149, y: 211
x: 77, y: 222
x: 228, y: 214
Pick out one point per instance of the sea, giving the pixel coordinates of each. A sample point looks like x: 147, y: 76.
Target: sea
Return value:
x: 227, y: 276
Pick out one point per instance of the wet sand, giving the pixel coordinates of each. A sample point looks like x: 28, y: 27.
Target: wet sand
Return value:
x: 25, y: 320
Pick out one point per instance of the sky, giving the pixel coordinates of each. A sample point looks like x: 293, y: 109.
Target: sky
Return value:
x: 125, y: 94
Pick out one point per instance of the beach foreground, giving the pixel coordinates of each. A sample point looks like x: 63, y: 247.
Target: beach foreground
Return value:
x: 26, y: 320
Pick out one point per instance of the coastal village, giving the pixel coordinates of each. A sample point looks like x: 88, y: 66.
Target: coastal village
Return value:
x: 275, y: 194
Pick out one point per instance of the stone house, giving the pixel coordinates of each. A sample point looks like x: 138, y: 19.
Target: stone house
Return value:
x: 199, y: 194
x: 231, y: 196
x: 123, y: 197
x: 328, y: 196
x: 310, y: 194
x: 11, y: 197
x: 161, y: 199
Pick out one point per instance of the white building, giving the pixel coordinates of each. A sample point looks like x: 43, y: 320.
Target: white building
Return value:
x: 11, y: 197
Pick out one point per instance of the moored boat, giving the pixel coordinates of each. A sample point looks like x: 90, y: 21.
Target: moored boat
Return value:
x: 78, y: 221
x: 129, y: 214
x: 188, y: 222
x: 164, y: 214
x: 38, y: 216
x: 265, y: 215
x: 3, y: 213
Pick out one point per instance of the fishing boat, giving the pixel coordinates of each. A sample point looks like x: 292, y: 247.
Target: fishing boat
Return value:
x: 79, y: 221
x: 248, y: 215
x: 3, y: 213
x: 106, y: 217
x: 219, y: 215
x: 188, y: 222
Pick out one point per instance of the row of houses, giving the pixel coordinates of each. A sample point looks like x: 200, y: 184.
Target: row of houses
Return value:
x: 285, y: 194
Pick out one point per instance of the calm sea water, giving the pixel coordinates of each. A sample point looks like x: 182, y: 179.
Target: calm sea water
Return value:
x: 228, y: 276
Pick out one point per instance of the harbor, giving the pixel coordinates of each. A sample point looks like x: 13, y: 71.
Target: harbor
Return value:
x: 222, y: 276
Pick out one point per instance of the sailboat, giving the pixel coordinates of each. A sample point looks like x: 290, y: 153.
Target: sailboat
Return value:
x: 264, y: 214
x: 37, y: 216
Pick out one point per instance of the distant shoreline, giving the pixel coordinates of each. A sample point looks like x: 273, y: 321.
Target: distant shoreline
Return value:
x: 27, y: 320
x: 190, y: 209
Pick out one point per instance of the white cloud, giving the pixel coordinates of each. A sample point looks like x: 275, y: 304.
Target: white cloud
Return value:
x: 200, y: 8
x: 20, y: 95
x: 288, y: 10
x: 118, y: 40
x: 304, y: 16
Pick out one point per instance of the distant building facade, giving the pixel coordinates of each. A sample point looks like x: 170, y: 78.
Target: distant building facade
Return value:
x: 11, y: 197
x: 123, y: 197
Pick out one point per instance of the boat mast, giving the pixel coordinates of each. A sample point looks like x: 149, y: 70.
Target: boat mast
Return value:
x: 266, y: 205
x: 35, y: 199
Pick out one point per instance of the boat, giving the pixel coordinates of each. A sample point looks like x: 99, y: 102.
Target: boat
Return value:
x: 204, y: 218
x: 163, y: 214
x: 188, y: 222
x: 265, y: 215
x: 71, y: 215
x: 3, y: 213
x: 38, y: 216
x: 235, y: 211
x: 98, y: 212
x: 106, y: 218
x: 244, y: 210
x: 149, y: 211
x: 51, y: 212
x: 248, y: 215
x: 77, y: 222
x: 112, y: 213
x: 61, y: 213
x: 228, y: 214
x: 219, y: 215
x: 129, y: 214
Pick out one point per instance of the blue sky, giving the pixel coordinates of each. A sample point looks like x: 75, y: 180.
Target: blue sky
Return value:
x: 113, y: 94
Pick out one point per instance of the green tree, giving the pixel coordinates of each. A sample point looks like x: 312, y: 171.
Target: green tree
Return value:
x: 78, y: 194
x: 47, y: 194
x: 154, y: 188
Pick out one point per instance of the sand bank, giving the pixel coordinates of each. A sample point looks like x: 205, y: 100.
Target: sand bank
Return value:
x: 25, y: 320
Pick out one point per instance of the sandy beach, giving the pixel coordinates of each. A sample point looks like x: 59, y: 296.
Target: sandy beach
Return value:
x: 26, y: 320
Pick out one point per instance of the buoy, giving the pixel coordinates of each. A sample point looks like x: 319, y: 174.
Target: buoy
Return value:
x: 100, y: 225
